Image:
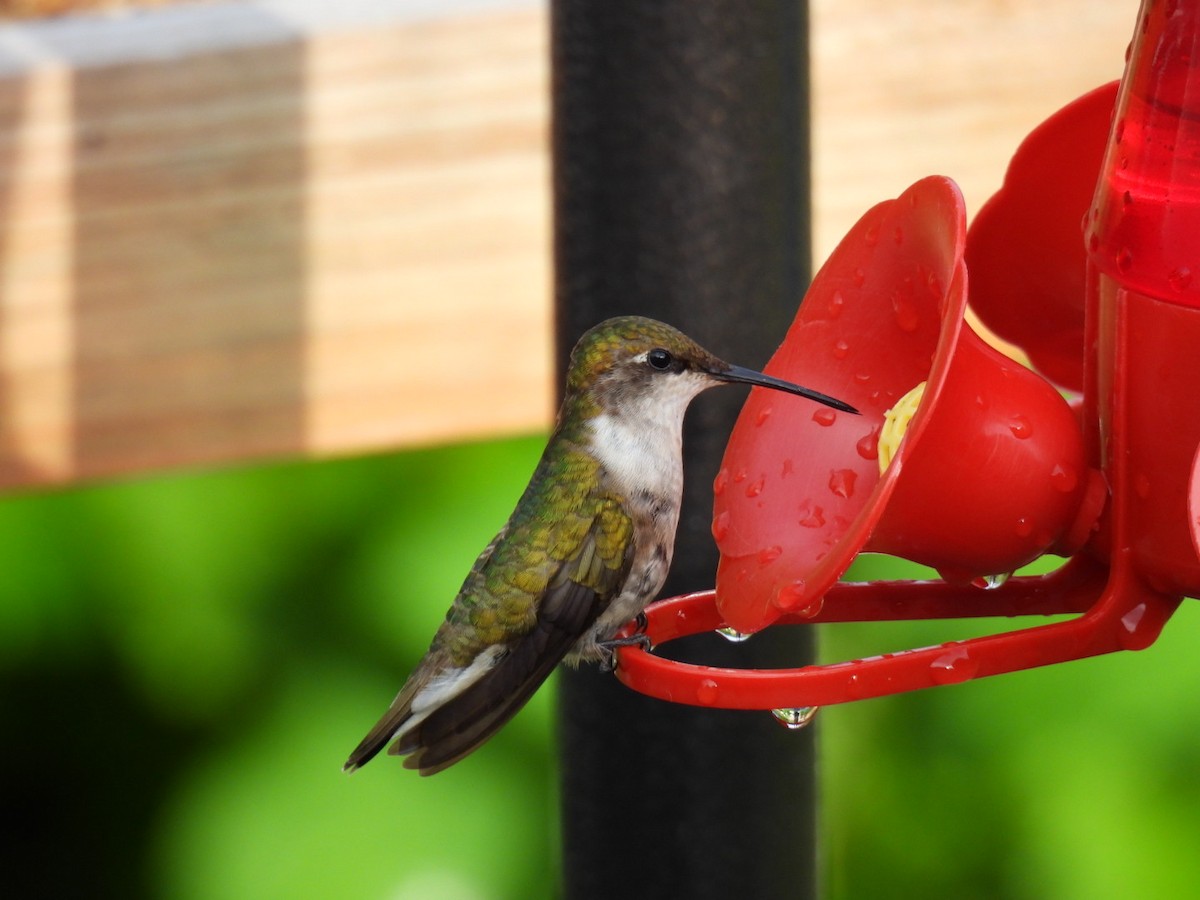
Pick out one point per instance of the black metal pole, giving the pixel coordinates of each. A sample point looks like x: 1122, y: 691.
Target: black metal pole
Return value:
x: 682, y: 192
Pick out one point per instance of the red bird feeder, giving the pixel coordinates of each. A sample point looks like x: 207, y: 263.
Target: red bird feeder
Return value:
x: 963, y: 459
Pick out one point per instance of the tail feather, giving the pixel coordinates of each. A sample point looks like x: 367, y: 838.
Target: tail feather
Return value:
x: 469, y: 719
x: 448, y: 727
x: 377, y: 738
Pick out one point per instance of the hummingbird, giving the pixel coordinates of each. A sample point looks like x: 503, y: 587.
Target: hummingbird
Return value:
x: 586, y: 549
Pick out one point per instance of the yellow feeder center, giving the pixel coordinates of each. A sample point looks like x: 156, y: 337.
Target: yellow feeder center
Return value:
x: 895, y: 423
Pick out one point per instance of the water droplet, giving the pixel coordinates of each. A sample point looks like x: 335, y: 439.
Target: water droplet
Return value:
x: 1020, y: 427
x: 872, y: 235
x: 769, y: 555
x: 787, y: 468
x: 841, y: 482
x: 763, y: 415
x: 859, y: 278
x: 991, y: 582
x: 1124, y: 260
x: 806, y: 608
x: 756, y: 487
x: 907, y: 316
x: 1180, y: 279
x: 836, y: 303
x: 739, y: 476
x: 1064, y: 477
x: 707, y: 692
x: 720, y: 526
x: 811, y: 515
x: 795, y: 718
x: 790, y: 595
x: 954, y: 666
x: 855, y: 689
x: 840, y: 349
x: 862, y: 377
x: 1127, y: 199
x: 868, y: 445
x: 1024, y: 527
x: 824, y: 416
x: 720, y: 481
x: 733, y: 635
x: 1141, y: 485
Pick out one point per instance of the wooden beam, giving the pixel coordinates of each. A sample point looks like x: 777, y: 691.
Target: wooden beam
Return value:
x: 243, y: 230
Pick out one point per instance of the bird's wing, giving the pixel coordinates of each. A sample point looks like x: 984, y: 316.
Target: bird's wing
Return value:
x: 506, y: 663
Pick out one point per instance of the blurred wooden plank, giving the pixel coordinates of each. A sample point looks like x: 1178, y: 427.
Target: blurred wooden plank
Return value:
x: 270, y: 232
x: 265, y: 230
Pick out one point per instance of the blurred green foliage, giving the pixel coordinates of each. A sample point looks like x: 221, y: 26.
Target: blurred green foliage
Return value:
x: 187, y: 660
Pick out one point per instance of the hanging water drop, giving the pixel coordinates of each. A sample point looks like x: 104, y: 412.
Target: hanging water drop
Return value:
x: 795, y: 718
x: 733, y: 635
x: 992, y: 582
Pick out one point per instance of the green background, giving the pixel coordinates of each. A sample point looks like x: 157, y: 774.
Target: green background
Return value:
x: 187, y: 660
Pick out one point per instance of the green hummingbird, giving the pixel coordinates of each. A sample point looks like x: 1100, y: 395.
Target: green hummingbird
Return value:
x: 586, y: 549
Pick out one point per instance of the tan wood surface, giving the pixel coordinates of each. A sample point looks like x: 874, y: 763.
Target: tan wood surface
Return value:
x: 338, y: 241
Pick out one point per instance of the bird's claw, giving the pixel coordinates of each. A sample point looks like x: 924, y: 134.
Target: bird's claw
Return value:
x: 636, y: 638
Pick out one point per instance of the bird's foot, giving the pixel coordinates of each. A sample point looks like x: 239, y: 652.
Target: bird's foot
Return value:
x: 637, y: 638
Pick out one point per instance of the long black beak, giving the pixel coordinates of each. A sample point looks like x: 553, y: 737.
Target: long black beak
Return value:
x: 749, y: 376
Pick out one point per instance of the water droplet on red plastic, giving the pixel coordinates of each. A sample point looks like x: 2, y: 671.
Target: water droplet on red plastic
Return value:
x: 790, y: 595
x: 840, y: 349
x: 1124, y: 260
x: 1141, y: 485
x: 907, y: 315
x: 754, y: 488
x: 836, y: 303
x: 788, y: 467
x: 707, y: 692
x: 868, y: 445
x: 807, y: 608
x: 824, y: 416
x: 739, y: 476
x: 841, y: 482
x: 855, y: 689
x: 859, y: 278
x: 811, y: 515
x: 1180, y: 279
x: 763, y: 415
x: 769, y: 555
x: 954, y: 666
x: 720, y: 481
x: 872, y: 235
x: 863, y: 377
x: 1064, y: 477
x: 1020, y: 427
x: 720, y: 526
x: 1024, y: 527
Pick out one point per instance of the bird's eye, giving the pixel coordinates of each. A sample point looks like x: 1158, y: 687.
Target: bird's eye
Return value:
x: 659, y: 359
